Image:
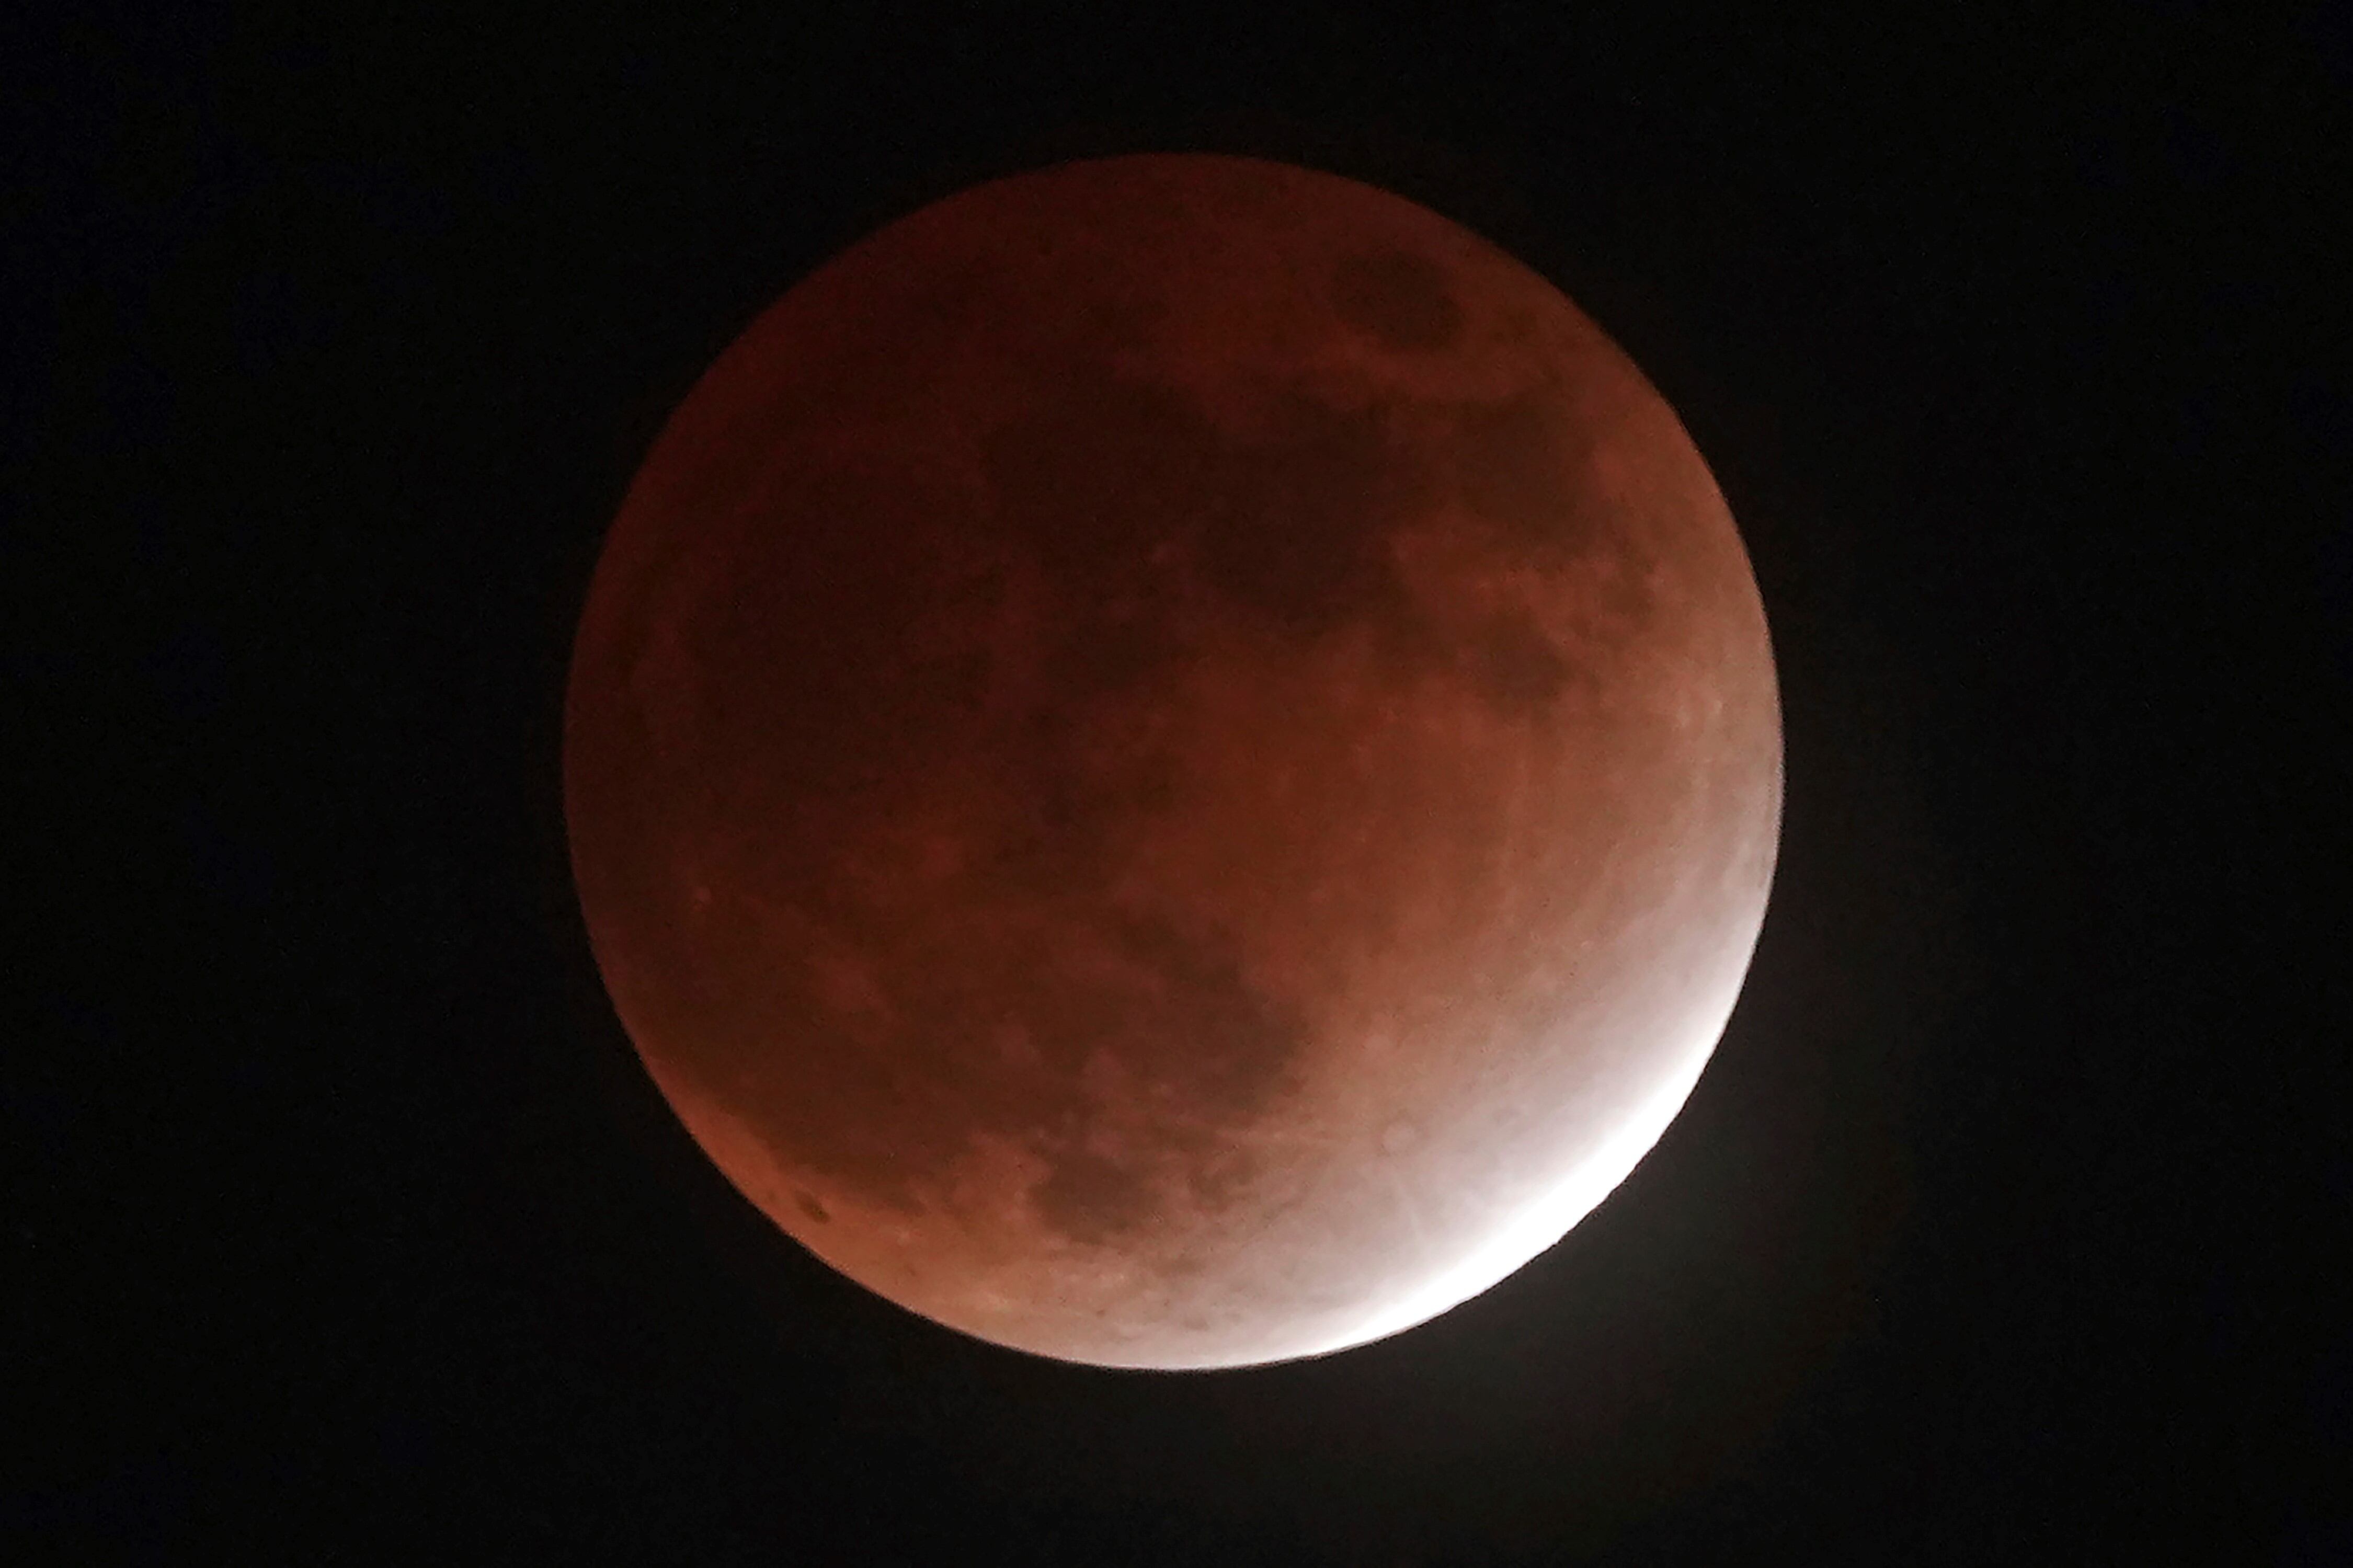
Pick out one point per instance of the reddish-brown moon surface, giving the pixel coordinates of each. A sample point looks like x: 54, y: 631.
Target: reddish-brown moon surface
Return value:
x: 1174, y: 763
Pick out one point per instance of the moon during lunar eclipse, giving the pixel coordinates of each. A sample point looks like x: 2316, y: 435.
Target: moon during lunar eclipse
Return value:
x: 1174, y: 763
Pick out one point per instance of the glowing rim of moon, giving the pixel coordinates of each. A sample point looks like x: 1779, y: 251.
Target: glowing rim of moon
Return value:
x: 1546, y: 1220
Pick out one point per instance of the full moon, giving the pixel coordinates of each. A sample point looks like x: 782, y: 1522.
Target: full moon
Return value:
x: 1174, y: 763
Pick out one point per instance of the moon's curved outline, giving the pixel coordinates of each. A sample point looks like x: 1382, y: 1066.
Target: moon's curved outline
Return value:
x: 1534, y: 1223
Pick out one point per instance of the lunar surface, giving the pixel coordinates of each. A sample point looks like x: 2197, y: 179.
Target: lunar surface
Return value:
x: 1174, y: 763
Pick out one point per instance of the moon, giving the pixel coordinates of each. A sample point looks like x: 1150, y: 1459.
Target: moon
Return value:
x: 1174, y: 763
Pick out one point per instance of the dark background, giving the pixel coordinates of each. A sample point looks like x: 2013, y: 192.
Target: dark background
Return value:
x: 2004, y: 1227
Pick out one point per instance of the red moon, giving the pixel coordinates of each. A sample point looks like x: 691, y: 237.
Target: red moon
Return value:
x: 1174, y: 763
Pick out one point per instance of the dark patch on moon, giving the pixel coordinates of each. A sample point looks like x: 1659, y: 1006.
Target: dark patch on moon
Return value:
x: 1197, y: 1035
x: 1516, y: 667
x: 1112, y: 480
x: 1097, y: 471
x: 1398, y: 297
x: 939, y: 312
x: 1105, y: 648
x: 1094, y: 1199
x: 841, y: 600
x: 1515, y: 464
x: 811, y: 1207
x: 1297, y: 532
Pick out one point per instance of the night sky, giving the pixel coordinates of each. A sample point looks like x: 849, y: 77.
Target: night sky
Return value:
x: 2006, y: 1225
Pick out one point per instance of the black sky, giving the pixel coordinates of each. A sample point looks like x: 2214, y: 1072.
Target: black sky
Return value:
x: 2004, y: 1226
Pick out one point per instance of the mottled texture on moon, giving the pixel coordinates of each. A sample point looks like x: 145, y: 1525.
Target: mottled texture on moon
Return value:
x: 1174, y: 763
